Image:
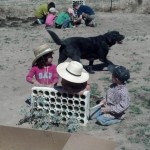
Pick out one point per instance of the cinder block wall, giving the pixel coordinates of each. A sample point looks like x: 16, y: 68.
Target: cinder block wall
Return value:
x: 67, y: 105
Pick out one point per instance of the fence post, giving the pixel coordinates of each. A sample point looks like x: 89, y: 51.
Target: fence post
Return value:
x: 111, y: 6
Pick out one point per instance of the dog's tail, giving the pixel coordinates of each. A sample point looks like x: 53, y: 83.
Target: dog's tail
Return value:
x: 55, y: 37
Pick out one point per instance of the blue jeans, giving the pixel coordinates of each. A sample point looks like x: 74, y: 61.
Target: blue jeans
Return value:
x: 66, y: 23
x: 103, y: 119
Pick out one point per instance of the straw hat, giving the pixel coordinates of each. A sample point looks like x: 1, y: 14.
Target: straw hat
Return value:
x: 73, y: 71
x: 40, y: 51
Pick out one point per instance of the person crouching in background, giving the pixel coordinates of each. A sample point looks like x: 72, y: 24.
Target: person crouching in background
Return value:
x: 50, y: 19
x: 64, y: 19
x: 41, y: 12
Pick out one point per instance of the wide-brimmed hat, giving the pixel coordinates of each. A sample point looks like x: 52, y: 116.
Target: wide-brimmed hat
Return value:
x: 53, y: 10
x: 73, y: 71
x: 119, y: 72
x: 40, y: 51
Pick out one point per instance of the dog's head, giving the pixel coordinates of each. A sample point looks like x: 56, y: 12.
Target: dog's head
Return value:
x: 113, y: 37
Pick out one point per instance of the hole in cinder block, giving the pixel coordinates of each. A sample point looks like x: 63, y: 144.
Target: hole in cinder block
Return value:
x: 58, y: 106
x: 64, y: 95
x: 76, y: 102
x: 40, y: 92
x: 40, y: 109
x: 70, y: 107
x: 82, y: 103
x: 52, y: 100
x: 52, y: 93
x: 64, y: 113
x: 35, y: 92
x: 58, y: 100
x: 82, y: 109
x: 64, y: 101
x: 47, y: 99
x: 70, y: 113
x: 82, y: 115
x: 40, y: 104
x: 82, y: 96
x: 46, y: 93
x: 81, y: 121
x: 46, y: 105
x: 76, y: 108
x: 35, y: 104
x: 47, y: 111
x: 58, y: 94
x: 52, y: 111
x: 76, y: 114
x: 52, y: 105
x: 70, y: 102
x: 64, y: 107
x: 64, y: 119
x: 34, y: 109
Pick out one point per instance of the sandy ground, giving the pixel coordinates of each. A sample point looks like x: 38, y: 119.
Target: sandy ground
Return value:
x: 17, y: 43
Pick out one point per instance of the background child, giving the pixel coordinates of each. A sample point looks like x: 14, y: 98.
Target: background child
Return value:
x: 112, y: 109
x: 50, y: 19
x: 64, y: 19
x: 74, y: 77
x: 43, y: 72
x: 41, y: 12
x: 86, y: 13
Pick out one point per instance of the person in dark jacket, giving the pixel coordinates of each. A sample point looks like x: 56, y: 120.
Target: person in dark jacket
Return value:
x: 86, y: 13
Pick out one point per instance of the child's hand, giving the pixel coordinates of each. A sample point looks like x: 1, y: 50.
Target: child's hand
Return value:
x: 103, y: 102
x: 36, y: 83
x: 105, y: 109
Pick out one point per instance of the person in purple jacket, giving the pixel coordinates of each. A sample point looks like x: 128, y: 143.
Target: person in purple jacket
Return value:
x: 43, y: 71
x: 112, y: 109
x: 86, y: 13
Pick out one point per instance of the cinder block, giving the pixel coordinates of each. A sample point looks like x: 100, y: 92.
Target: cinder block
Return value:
x: 81, y: 2
x: 54, y: 100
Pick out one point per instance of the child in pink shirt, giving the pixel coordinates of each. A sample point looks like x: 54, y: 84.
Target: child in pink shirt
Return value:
x: 43, y: 72
x: 50, y: 19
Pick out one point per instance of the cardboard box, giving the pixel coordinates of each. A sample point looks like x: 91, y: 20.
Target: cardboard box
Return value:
x: 14, y: 138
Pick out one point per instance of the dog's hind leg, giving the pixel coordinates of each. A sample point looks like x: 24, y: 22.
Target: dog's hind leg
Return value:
x: 90, y: 67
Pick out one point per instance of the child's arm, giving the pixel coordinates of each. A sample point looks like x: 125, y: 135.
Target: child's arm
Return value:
x: 119, y: 107
x: 30, y: 77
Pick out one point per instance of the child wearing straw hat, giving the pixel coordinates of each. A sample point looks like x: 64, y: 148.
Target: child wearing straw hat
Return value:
x: 43, y: 71
x: 74, y: 77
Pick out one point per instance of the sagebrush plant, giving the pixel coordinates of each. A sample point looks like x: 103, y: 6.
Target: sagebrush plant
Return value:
x: 72, y: 124
x: 40, y: 119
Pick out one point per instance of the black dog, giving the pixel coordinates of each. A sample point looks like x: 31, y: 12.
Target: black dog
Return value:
x: 89, y: 48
